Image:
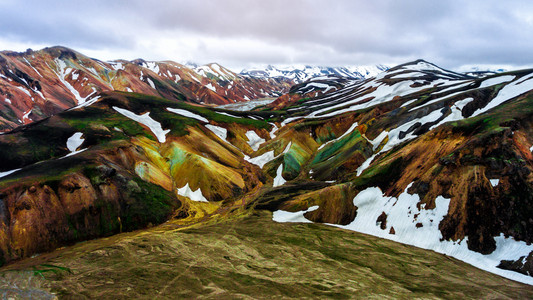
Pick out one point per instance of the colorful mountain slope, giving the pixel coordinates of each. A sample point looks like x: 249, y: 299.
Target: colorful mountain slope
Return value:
x: 37, y: 84
x: 418, y: 154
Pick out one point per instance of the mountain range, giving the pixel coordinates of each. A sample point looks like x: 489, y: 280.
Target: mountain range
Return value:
x: 38, y: 84
x: 299, y: 74
x: 417, y: 154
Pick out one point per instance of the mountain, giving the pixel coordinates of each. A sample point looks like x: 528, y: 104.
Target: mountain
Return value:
x: 304, y: 73
x: 38, y: 84
x: 418, y: 155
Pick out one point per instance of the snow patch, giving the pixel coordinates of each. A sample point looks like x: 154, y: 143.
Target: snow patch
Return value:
x: 279, y: 180
x: 75, y: 141
x: 187, y: 114
x: 211, y: 87
x: 262, y: 159
x: 254, y: 140
x: 27, y: 115
x: 218, y: 131
x: 282, y: 216
x: 496, y: 80
x: 5, y: 173
x: 196, y: 195
x: 494, y: 182
x: 146, y: 120
x: 150, y: 82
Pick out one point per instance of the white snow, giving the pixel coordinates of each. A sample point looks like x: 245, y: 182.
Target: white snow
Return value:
x: 187, y: 114
x: 146, y: 120
x: 455, y: 86
x: 75, y: 141
x: 354, y: 125
x: 62, y: 72
x: 279, y: 180
x: 456, y: 114
x: 262, y: 159
x: 226, y: 114
x: 317, y: 85
x: 266, y: 157
x: 150, y: 82
x: 7, y: 100
x: 129, y: 90
x: 254, y: 140
x: 246, y: 98
x: 211, y: 87
x: 5, y: 173
x: 531, y: 149
x: 196, y: 195
x: 508, y: 92
x: 218, y: 131
x: 117, y: 66
x: 245, y: 106
x: 152, y: 66
x: 87, y: 103
x: 494, y: 182
x: 496, y: 80
x: 383, y: 93
x: 403, y: 214
x: 29, y: 64
x: 27, y: 115
x: 377, y: 141
x: 282, y: 216
x: 25, y: 91
x: 273, y: 131
x: 73, y: 153
x: 288, y: 120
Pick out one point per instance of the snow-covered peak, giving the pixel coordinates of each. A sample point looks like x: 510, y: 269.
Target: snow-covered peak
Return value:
x: 215, y: 70
x: 303, y: 73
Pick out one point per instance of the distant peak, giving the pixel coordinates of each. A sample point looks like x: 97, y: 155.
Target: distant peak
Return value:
x: 138, y: 61
x: 61, y: 52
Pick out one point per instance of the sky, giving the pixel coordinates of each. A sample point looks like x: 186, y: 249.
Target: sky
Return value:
x: 245, y: 33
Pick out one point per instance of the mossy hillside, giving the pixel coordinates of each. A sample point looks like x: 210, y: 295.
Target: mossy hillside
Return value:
x: 259, y: 258
x: 339, y: 157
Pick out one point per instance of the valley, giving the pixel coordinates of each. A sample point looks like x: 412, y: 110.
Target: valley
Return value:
x: 176, y: 189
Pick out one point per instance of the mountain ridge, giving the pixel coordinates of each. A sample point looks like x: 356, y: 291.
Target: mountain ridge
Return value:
x: 453, y: 151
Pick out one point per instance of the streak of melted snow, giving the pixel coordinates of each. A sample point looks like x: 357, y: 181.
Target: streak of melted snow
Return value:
x: 187, y: 114
x: 279, y: 180
x: 146, y: 120
x: 5, y: 173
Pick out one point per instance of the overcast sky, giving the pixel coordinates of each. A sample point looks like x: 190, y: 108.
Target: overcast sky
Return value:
x: 243, y: 33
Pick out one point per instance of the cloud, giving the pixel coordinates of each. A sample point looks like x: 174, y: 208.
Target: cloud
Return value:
x: 246, y: 32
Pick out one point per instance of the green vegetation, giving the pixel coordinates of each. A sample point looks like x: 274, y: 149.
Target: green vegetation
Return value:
x: 259, y: 258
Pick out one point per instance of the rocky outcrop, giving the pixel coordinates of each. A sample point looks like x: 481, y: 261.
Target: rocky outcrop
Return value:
x: 41, y: 215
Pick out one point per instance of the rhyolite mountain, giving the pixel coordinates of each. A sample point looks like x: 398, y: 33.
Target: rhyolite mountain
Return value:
x: 38, y: 84
x: 418, y: 155
x: 299, y: 74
